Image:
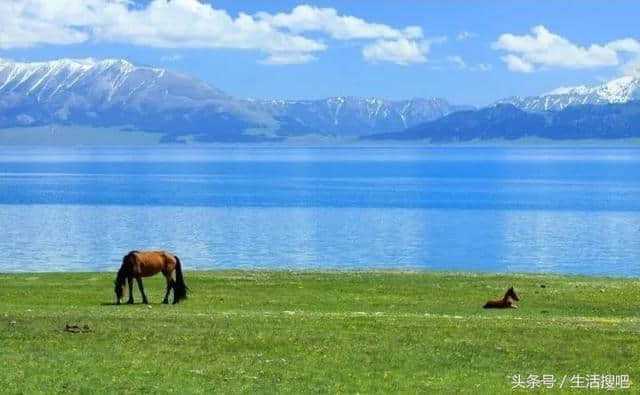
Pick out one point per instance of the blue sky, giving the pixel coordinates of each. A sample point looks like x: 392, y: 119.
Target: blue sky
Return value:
x: 469, y: 52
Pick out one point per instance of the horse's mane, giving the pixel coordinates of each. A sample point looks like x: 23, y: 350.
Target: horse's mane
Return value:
x: 125, y: 268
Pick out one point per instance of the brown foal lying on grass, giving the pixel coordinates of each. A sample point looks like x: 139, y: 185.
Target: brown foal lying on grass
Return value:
x: 505, y: 302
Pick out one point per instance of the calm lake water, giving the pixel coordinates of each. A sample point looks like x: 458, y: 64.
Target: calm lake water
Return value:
x: 565, y: 210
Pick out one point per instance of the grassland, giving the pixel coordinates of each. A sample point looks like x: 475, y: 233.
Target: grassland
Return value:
x: 314, y: 332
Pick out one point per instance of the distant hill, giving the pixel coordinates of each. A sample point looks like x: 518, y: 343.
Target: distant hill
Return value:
x: 619, y: 90
x: 505, y: 121
x: 114, y: 92
x: 351, y: 116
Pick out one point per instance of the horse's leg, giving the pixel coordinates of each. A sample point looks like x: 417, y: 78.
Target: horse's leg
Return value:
x: 130, y: 280
x: 173, y: 285
x: 144, y: 297
x: 166, y: 296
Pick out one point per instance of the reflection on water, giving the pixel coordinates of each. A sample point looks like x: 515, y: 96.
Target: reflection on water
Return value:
x: 487, y: 209
x: 573, y: 242
x: 81, y: 237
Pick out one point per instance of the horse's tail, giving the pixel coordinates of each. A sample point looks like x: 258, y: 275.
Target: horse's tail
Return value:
x: 180, y: 289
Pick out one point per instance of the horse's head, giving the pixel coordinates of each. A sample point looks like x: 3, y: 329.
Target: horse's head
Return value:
x: 512, y: 294
x: 119, y: 290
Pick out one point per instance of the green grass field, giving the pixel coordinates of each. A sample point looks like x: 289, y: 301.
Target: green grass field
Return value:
x: 315, y: 332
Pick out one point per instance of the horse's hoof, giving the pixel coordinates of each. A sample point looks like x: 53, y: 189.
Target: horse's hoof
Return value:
x: 165, y: 302
x: 130, y: 302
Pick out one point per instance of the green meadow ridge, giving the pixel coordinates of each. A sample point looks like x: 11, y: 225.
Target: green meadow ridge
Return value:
x: 313, y: 331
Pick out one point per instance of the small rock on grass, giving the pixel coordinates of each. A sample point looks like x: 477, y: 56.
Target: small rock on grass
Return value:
x: 77, y: 328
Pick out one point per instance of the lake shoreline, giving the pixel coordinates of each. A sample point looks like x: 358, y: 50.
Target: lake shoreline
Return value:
x: 77, y: 136
x: 348, y: 271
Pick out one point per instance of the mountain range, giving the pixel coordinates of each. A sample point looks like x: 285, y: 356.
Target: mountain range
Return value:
x: 507, y: 122
x: 351, y: 116
x: 116, y: 93
x: 607, y: 111
x: 619, y: 90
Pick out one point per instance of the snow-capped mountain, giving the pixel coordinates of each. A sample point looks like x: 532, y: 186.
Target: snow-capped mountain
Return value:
x: 352, y: 115
x: 608, y: 111
x: 114, y: 92
x: 507, y: 122
x: 620, y: 90
x: 104, y: 84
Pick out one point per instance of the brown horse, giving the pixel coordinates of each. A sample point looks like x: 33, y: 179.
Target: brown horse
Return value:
x: 138, y: 264
x: 505, y: 302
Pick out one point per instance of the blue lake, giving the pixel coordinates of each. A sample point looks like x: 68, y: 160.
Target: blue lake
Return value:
x: 563, y: 210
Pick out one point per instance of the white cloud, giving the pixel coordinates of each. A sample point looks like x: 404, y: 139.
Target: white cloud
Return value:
x: 457, y: 61
x: 412, y: 32
x: 632, y: 67
x: 515, y: 63
x: 400, y: 46
x: 171, y: 58
x: 189, y: 23
x: 24, y: 24
x: 460, y: 64
x: 625, y: 45
x: 161, y: 23
x: 465, y: 35
x: 193, y: 24
x: 401, y: 51
x: 287, y: 58
x: 305, y: 18
x: 543, y: 48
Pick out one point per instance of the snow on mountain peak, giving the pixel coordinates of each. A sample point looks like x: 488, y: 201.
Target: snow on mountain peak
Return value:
x: 116, y: 92
x: 619, y: 90
x: 101, y: 83
x: 569, y: 90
